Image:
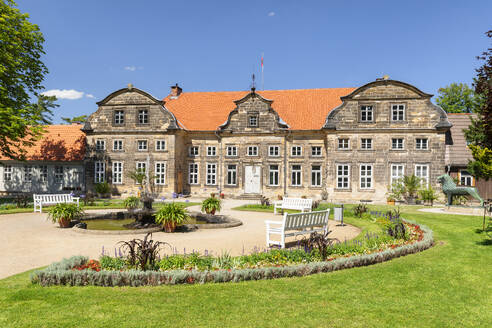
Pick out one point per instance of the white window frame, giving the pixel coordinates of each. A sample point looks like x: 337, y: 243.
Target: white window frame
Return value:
x: 316, y: 153
x: 58, y: 174
x: 316, y: 175
x: 193, y: 173
x: 254, y: 124
x: 366, y: 176
x: 211, y: 174
x: 117, y: 172
x: 142, y: 142
x: 211, y: 151
x: 343, y: 178
x: 296, y: 174
x: 420, y: 142
x: 7, y: 172
x: 160, y: 173
x: 231, y: 176
x: 117, y: 141
x: 143, y: 116
x: 395, y: 170
x: 160, y: 145
x: 100, y: 144
x: 364, y: 145
x: 275, y: 174
x: 43, y: 173
x: 367, y: 109
x: 466, y: 175
x: 345, y: 146
x: 419, y: 167
x: 193, y: 151
x: 296, y: 151
x: 250, y: 153
x: 28, y: 173
x: 401, y: 111
x: 273, y: 151
x: 231, y: 151
x: 99, y: 171
x: 119, y: 120
x: 397, y: 148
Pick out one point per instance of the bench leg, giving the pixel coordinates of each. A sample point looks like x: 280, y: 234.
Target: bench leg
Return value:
x: 282, y: 241
x: 274, y: 209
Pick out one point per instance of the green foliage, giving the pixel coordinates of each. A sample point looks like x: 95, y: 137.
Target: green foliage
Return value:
x: 481, y: 167
x: 360, y: 209
x: 210, y: 204
x: 77, y: 119
x: 102, y: 188
x: 21, y: 75
x: 112, y: 263
x: 67, y: 211
x: 131, y: 202
x: 139, y: 176
x: 412, y: 184
x: 142, y: 253
x: 428, y: 194
x: 397, y: 190
x: 458, y: 98
x: 171, y: 213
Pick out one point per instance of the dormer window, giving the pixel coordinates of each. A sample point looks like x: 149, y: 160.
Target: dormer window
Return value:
x: 366, y: 114
x: 143, y: 116
x: 253, y: 121
x: 119, y: 117
x: 398, y: 112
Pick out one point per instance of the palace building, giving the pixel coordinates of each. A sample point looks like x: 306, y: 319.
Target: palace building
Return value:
x: 350, y: 142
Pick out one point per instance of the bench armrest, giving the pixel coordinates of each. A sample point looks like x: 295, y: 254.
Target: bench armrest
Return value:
x: 75, y: 198
x: 278, y: 202
x: 268, y: 222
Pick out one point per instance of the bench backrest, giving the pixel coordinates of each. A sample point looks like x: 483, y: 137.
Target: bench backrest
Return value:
x: 306, y: 220
x: 297, y: 202
x: 53, y: 198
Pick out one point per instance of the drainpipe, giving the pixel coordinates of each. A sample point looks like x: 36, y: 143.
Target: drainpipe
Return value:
x: 220, y: 162
x: 285, y: 161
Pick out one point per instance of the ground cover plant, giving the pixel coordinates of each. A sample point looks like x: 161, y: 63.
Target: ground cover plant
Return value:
x: 445, y: 286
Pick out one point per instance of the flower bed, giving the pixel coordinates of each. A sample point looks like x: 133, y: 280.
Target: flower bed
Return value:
x: 273, y: 264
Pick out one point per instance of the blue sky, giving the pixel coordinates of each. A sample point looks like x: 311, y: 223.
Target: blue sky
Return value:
x: 96, y: 47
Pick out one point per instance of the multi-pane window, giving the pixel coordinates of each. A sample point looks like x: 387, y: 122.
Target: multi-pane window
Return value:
x: 231, y: 175
x: 422, y: 172
x: 43, y: 173
x: 99, y: 168
x: 296, y: 151
x: 398, y: 112
x: 160, y: 173
x: 119, y: 117
x: 253, y: 120
x: 397, y: 143
x: 231, y: 151
x: 366, y: 114
x: 117, y: 172
x: 252, y: 150
x: 274, y: 151
x: 397, y: 172
x: 143, y: 116
x: 7, y: 172
x: 211, y: 174
x: 466, y: 179
x: 160, y: 145
x: 118, y: 145
x: 141, y: 168
x: 421, y: 143
x: 366, y: 176
x: 193, y: 151
x: 296, y: 177
x: 316, y: 151
x: 366, y: 143
x: 100, y: 144
x: 142, y: 145
x: 58, y: 174
x: 211, y: 151
x: 316, y: 175
x: 343, y: 143
x: 28, y: 173
x: 273, y: 173
x: 343, y: 176
x: 193, y: 173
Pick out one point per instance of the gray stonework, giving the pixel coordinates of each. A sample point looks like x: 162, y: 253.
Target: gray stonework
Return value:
x: 421, y: 120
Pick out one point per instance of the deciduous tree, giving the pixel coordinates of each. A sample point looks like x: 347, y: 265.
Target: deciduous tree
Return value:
x: 458, y: 98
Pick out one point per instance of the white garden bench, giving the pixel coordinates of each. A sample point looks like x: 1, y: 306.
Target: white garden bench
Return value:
x: 52, y: 199
x: 300, y: 204
x: 296, y: 224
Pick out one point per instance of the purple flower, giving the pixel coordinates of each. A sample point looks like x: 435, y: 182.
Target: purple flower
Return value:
x: 187, y: 201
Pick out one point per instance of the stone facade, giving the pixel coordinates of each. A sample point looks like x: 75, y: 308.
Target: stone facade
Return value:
x: 382, y: 129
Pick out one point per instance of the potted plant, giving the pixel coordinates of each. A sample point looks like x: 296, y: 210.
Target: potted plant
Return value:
x: 102, y: 189
x: 211, y: 205
x: 395, y: 192
x: 64, y: 213
x: 170, y: 216
x: 390, y: 200
x: 222, y: 196
x: 131, y: 203
x: 412, y: 184
x: 428, y: 195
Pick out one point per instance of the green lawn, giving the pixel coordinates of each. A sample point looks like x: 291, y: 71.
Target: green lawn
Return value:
x: 449, y: 285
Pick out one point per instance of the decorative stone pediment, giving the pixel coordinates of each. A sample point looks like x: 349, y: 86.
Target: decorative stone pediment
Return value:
x: 129, y: 96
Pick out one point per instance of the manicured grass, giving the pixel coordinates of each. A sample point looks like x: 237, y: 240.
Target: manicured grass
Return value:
x: 449, y: 285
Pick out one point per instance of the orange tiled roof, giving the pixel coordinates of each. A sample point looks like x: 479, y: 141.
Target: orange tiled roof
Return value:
x: 58, y: 143
x: 304, y: 109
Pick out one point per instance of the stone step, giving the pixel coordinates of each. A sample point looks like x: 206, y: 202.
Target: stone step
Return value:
x: 249, y: 196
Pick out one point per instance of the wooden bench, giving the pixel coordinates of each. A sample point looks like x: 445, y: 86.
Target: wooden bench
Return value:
x: 52, y: 199
x: 296, y: 224
x: 300, y: 204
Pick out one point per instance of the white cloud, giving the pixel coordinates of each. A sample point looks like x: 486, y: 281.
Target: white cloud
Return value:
x: 271, y: 14
x: 64, y: 94
x: 130, y: 68
x: 88, y: 95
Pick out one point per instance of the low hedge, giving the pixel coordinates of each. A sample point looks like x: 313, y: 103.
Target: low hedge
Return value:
x: 61, y: 273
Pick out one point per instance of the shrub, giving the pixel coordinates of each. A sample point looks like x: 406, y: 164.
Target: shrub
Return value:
x: 131, y: 202
x: 211, y: 204
x: 171, y: 213
x: 360, y: 209
x: 65, y: 211
x: 112, y: 263
x: 142, y: 253
x: 102, y: 188
x: 412, y: 184
x: 428, y: 194
x: 321, y: 242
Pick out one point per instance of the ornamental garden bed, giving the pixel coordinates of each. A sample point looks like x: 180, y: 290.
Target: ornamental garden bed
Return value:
x: 142, y: 266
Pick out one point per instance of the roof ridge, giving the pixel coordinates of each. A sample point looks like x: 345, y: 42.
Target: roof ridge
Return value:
x: 269, y: 90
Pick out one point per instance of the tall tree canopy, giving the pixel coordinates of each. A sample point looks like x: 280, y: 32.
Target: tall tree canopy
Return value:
x: 479, y: 133
x: 76, y: 119
x: 458, y: 98
x: 21, y: 75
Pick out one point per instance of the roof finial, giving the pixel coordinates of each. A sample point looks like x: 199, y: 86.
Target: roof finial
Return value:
x: 253, y: 84
x: 130, y: 86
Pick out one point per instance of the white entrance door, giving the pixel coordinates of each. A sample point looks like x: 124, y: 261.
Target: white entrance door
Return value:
x: 252, y: 179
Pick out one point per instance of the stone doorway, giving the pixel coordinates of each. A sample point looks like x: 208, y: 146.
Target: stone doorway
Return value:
x: 252, y: 179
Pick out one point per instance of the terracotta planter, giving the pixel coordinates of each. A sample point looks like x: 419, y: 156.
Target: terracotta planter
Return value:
x: 64, y: 223
x: 212, y: 212
x: 169, y: 226
x: 390, y: 202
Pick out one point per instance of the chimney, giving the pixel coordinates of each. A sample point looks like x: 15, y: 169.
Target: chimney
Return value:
x: 175, y: 91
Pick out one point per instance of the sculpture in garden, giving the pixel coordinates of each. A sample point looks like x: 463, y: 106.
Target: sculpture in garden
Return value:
x: 450, y: 189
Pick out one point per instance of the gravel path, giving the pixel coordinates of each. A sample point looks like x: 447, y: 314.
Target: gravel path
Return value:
x: 28, y: 240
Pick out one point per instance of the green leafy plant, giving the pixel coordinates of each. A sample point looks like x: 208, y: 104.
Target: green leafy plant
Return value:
x: 396, y: 190
x: 360, y: 209
x: 131, y: 202
x: 211, y: 205
x: 428, y: 195
x: 65, y: 212
x: 102, y: 188
x: 143, y: 253
x: 412, y: 184
x: 139, y: 176
x: 321, y: 242
x: 171, y: 215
